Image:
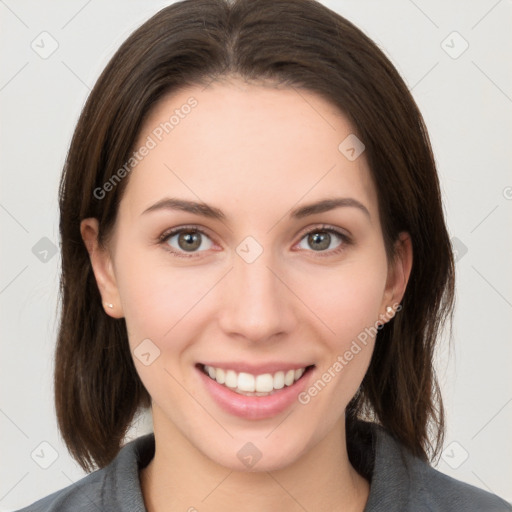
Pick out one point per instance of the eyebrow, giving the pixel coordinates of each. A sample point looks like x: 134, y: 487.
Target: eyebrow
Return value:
x: 212, y: 212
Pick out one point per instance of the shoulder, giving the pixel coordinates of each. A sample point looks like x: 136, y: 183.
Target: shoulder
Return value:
x: 438, y: 491
x: 403, y: 482
x: 114, y: 487
x: 85, y: 494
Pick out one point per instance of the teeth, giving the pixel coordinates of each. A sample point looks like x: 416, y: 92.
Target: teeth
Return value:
x: 231, y: 378
x: 248, y: 384
x: 279, y: 380
x: 264, y: 383
x: 289, y: 377
x: 220, y: 375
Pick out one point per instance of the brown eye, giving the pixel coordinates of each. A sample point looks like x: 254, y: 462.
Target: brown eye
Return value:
x: 187, y: 240
x: 319, y: 241
x: 322, y: 240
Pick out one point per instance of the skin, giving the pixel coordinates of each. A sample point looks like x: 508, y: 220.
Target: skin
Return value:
x: 255, y: 152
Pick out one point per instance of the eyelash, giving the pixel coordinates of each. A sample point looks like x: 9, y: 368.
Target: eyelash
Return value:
x: 346, y: 241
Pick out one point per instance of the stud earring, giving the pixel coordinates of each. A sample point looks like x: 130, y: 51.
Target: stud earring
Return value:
x: 108, y: 304
x: 389, y: 310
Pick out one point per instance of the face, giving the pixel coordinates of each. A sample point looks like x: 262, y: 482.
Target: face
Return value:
x: 252, y: 320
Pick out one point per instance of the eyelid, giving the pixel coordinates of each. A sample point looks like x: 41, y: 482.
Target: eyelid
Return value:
x: 178, y: 229
x: 346, y: 239
x: 167, y: 234
x: 324, y: 227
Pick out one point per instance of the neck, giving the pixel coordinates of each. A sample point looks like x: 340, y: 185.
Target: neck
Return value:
x: 179, y: 477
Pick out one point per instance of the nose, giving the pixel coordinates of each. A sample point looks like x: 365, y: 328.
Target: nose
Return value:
x: 256, y: 302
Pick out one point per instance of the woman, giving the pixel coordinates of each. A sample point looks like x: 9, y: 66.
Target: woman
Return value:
x: 253, y: 246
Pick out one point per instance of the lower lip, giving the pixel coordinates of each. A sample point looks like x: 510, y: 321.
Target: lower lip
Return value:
x: 254, y: 407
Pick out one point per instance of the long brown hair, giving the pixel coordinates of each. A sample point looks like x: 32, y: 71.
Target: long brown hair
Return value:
x: 294, y: 43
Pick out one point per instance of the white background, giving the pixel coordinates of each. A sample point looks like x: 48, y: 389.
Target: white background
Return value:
x: 467, y: 105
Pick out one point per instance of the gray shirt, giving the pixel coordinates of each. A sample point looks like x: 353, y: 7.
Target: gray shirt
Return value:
x: 399, y: 482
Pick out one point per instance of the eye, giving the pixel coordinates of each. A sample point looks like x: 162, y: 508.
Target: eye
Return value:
x: 181, y: 241
x: 187, y: 241
x: 321, y: 239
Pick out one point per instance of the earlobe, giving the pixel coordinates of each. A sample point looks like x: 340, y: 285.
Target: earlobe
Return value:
x: 101, y: 263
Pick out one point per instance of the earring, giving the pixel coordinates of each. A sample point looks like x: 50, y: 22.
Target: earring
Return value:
x: 389, y: 310
x: 108, y: 305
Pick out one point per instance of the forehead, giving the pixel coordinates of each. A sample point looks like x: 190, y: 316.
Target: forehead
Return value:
x: 234, y: 144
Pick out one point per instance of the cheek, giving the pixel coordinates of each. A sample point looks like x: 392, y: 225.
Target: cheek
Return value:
x: 349, y: 305
x: 158, y: 302
x: 155, y: 295
x: 348, y: 299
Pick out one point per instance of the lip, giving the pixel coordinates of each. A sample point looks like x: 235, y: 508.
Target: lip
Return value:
x: 253, y: 369
x: 255, y: 407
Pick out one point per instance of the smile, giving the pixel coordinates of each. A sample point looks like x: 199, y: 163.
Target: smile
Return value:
x: 254, y: 385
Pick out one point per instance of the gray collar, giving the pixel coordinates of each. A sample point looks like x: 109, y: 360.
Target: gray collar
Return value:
x: 399, y: 481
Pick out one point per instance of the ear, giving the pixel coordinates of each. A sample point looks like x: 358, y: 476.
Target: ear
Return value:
x: 399, y: 271
x: 103, y: 269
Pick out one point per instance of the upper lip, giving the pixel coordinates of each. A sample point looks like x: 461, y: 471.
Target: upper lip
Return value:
x: 256, y: 369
